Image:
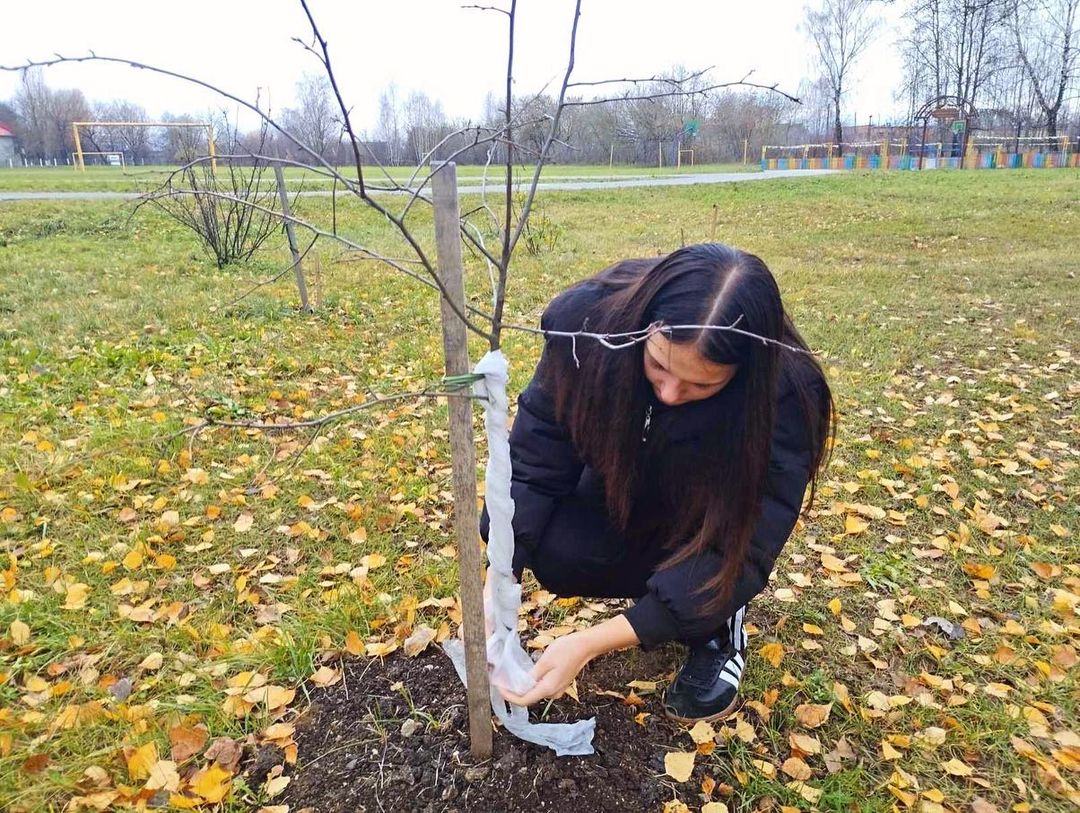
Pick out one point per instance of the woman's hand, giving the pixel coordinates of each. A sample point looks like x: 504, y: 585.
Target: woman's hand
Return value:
x: 556, y: 669
x: 565, y: 657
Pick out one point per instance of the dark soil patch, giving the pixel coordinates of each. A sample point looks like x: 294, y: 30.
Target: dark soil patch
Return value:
x: 393, y: 736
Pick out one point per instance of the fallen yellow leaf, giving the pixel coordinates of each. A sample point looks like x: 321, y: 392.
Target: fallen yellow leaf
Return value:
x: 276, y: 785
x: 796, y: 769
x: 812, y: 715
x: 767, y: 769
x: 76, y: 596
x: 326, y: 676
x: 955, y: 767
x: 373, y: 560
x: 999, y: 690
x: 702, y: 732
x: 804, y: 743
x: 163, y: 776
x: 417, y: 642
x: 20, y: 633
x: 212, y: 783
x: 272, y: 697
x: 353, y: 644
x: 980, y: 571
x: 679, y: 764
x: 140, y: 760
x: 772, y: 652
x: 853, y: 525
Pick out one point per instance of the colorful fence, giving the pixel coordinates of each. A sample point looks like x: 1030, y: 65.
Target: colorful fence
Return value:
x: 981, y: 160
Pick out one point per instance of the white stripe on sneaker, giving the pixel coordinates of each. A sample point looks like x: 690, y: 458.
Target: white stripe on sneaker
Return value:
x: 733, y: 682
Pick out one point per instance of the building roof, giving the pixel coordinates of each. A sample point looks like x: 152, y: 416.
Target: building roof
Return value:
x: 6, y: 131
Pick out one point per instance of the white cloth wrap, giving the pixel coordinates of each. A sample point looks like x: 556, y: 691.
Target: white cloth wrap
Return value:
x: 509, y: 664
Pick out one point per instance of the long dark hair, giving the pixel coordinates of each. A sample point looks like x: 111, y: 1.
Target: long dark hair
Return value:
x: 713, y: 500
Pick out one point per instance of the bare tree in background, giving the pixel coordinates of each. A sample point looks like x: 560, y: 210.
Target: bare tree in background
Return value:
x: 388, y: 128
x: 1047, y: 34
x: 425, y: 125
x: 315, y: 120
x: 134, y: 142
x: 841, y: 31
x: 955, y: 46
x: 181, y: 144
x: 45, y: 117
x: 738, y: 120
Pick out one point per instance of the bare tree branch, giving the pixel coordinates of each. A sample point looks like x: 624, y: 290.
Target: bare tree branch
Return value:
x: 503, y: 265
x: 345, y: 118
x: 209, y: 421
x: 656, y: 79
x: 775, y: 88
x: 489, y: 8
x: 622, y: 341
x: 526, y: 207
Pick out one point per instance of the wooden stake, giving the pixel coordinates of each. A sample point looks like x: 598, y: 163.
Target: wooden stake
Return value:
x: 290, y: 232
x: 463, y: 457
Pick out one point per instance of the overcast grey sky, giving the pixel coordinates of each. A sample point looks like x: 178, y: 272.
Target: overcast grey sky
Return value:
x: 453, y: 54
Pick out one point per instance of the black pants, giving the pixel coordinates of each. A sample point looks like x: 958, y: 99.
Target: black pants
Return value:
x: 581, y: 554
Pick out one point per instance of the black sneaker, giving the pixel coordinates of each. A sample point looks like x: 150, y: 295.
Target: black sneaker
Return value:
x: 707, y: 687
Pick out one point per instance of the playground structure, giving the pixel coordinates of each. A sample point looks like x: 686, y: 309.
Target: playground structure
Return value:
x: 949, y: 143
x: 79, y: 156
x: 980, y: 152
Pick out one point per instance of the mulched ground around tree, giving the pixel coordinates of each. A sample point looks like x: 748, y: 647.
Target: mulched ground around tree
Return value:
x: 393, y: 736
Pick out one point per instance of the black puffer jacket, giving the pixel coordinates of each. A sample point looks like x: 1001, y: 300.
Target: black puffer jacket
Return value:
x: 547, y: 469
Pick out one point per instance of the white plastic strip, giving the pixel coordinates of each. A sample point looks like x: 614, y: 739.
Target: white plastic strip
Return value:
x: 509, y: 664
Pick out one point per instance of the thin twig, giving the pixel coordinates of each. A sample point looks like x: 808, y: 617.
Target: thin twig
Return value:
x: 775, y: 88
x: 526, y: 207
x: 489, y: 8
x: 621, y: 341
x: 346, y: 119
x: 291, y: 426
x: 657, y: 78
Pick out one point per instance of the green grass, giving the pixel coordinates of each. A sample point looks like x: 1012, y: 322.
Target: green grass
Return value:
x: 139, y: 179
x: 943, y: 304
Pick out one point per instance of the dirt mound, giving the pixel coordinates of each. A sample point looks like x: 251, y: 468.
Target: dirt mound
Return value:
x: 393, y: 736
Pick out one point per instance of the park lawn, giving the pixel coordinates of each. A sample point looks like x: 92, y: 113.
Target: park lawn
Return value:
x: 140, y: 179
x: 944, y: 306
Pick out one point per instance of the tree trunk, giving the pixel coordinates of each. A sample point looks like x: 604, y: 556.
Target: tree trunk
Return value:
x: 838, y: 128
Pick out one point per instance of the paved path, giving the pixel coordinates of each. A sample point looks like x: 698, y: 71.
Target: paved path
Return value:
x: 561, y: 186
